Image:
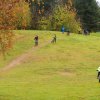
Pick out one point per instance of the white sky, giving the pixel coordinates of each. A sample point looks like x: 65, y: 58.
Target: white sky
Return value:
x: 98, y: 1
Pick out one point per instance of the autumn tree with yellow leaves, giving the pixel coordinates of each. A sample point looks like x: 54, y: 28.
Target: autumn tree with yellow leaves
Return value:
x: 12, y: 15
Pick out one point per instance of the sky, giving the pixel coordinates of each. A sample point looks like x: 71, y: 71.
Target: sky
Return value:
x: 98, y: 1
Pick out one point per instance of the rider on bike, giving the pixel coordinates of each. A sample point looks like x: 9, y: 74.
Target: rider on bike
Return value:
x: 98, y: 76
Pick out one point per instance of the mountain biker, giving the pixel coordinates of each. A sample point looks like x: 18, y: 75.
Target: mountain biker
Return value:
x: 36, y: 40
x: 54, y: 39
x: 63, y: 29
x: 98, y: 75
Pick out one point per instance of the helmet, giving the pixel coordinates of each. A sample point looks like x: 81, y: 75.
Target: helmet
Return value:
x: 98, y: 69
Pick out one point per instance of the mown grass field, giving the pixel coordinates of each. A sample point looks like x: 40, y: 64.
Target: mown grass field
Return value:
x: 62, y: 71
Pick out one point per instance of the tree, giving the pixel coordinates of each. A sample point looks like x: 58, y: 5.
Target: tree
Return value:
x: 39, y: 8
x: 64, y: 16
x: 8, y: 18
x: 88, y: 12
x: 23, y: 15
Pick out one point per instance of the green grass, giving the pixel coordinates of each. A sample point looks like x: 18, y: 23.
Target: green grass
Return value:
x: 62, y: 71
x: 23, y: 41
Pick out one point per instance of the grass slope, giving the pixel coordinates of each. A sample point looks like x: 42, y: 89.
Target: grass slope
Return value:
x: 62, y: 71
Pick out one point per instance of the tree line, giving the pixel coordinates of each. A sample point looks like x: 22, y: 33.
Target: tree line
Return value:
x: 41, y: 14
x: 87, y: 12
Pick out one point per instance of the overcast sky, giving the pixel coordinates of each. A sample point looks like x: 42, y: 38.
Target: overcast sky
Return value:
x: 98, y: 1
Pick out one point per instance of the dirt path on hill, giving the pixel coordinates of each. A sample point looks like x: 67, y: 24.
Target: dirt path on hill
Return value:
x: 20, y: 59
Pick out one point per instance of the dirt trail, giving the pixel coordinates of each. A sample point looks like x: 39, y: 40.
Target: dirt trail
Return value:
x: 22, y: 58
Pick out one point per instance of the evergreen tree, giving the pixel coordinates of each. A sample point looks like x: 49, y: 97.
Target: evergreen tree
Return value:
x: 89, y: 14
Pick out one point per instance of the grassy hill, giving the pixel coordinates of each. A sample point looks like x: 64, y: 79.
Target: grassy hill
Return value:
x: 62, y: 71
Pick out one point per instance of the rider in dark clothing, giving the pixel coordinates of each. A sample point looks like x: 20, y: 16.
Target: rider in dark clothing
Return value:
x: 54, y: 39
x: 98, y: 75
x: 68, y: 32
x: 36, y: 40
